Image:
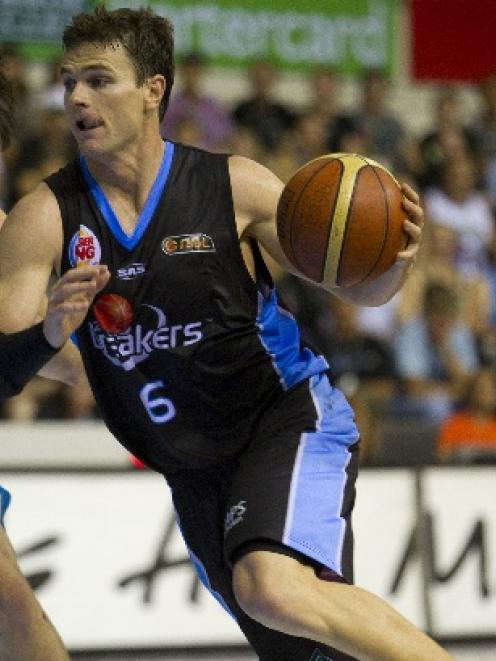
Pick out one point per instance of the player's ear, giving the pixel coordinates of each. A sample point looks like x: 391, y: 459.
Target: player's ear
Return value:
x: 154, y: 91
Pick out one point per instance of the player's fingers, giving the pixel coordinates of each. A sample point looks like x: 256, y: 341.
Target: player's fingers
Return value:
x: 67, y: 308
x: 71, y: 289
x: 414, y: 211
x: 413, y: 230
x: 103, y: 277
x: 410, y: 194
x: 408, y: 255
x: 80, y: 274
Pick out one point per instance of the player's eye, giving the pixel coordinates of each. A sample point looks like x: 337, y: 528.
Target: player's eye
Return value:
x: 69, y: 84
x: 98, y: 81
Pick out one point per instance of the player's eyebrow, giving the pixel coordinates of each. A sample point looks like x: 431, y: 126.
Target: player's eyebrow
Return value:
x: 89, y: 67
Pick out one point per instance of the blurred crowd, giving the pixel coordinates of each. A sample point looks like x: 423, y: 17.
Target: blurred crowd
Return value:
x: 419, y: 370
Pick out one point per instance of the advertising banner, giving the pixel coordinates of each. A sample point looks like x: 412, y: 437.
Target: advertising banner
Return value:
x: 460, y: 541
x: 349, y: 36
x: 108, y: 563
x: 453, y: 40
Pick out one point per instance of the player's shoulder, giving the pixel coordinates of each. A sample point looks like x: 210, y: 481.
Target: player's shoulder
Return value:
x: 40, y: 199
x: 38, y: 208
x: 254, y: 186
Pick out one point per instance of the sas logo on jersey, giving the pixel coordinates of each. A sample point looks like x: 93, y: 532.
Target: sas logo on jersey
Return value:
x: 184, y: 243
x: 131, y: 271
x: 125, y: 343
x: 84, y: 247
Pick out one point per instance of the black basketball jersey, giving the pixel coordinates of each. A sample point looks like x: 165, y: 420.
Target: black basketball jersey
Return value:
x: 182, y: 349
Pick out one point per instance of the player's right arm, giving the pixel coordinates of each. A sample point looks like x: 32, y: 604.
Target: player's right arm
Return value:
x: 30, y: 246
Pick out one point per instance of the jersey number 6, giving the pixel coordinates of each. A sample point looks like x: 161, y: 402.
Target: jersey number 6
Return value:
x: 159, y: 408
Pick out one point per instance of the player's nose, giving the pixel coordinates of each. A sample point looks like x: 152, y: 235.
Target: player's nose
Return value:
x: 79, y: 95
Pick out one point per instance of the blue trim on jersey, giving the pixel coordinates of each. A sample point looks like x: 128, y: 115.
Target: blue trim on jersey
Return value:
x: 4, y: 503
x: 314, y: 525
x: 131, y: 241
x: 279, y: 334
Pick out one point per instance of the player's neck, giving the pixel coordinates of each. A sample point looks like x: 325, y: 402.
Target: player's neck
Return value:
x: 130, y: 172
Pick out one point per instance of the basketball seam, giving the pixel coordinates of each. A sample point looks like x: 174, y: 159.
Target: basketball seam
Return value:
x: 294, y: 211
x: 331, y: 219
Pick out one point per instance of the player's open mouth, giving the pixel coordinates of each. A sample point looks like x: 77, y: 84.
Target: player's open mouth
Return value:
x: 88, y: 124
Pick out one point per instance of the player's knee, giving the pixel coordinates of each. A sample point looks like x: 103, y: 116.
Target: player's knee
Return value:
x: 261, y: 591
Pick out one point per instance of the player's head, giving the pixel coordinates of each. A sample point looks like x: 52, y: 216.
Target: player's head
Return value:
x: 146, y: 37
x: 6, y: 109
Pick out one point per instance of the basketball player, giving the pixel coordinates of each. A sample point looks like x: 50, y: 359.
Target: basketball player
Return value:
x: 196, y: 368
x: 25, y: 631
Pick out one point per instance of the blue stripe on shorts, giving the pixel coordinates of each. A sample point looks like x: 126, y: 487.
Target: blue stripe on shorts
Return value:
x: 314, y: 525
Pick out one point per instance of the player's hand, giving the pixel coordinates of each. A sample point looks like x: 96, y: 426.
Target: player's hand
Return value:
x: 412, y: 226
x: 70, y: 299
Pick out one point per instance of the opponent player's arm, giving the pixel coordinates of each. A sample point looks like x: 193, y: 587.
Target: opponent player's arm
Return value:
x: 256, y: 191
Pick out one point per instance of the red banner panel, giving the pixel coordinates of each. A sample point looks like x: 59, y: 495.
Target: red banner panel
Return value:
x: 453, y: 39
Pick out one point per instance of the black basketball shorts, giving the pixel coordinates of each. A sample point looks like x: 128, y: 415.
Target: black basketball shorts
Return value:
x: 291, y: 491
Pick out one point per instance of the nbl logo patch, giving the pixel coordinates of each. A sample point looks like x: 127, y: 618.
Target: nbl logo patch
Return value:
x: 187, y: 243
x: 84, y: 247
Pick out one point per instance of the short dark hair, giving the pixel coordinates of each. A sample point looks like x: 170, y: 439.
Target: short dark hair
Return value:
x: 6, y: 109
x: 147, y: 37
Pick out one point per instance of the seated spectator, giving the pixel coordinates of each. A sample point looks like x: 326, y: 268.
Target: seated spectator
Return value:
x: 310, y: 137
x: 458, y: 204
x: 437, y: 265
x: 484, y: 126
x: 323, y: 93
x: 469, y: 435
x: 268, y: 118
x: 361, y: 365
x: 435, y: 356
x: 449, y: 138
x: 384, y: 132
x: 192, y: 106
x: 42, y: 151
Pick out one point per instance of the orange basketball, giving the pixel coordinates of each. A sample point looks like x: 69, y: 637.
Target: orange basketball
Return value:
x: 340, y: 220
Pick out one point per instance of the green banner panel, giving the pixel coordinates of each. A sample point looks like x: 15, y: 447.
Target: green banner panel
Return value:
x: 296, y: 34
x: 349, y: 35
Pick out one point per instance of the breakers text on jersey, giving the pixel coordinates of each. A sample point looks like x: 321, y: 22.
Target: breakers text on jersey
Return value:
x: 133, y: 346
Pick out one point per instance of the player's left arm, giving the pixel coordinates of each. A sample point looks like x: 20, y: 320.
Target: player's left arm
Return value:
x: 256, y: 192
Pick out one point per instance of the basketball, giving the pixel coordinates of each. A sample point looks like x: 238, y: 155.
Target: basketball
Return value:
x: 113, y: 313
x: 340, y: 220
